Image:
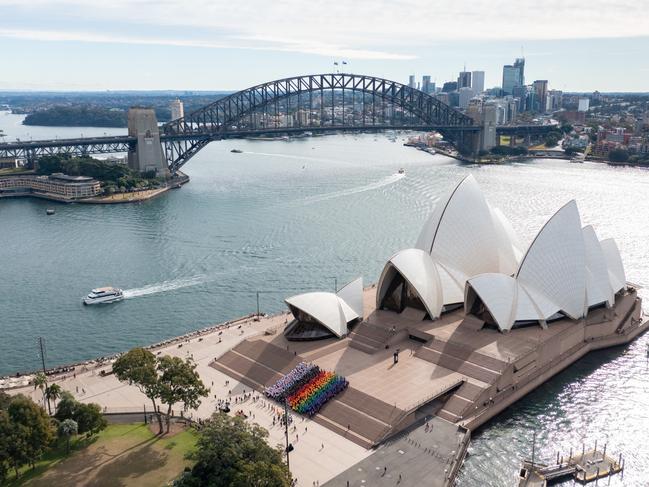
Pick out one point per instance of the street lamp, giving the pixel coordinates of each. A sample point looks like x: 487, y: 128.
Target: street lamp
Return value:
x: 289, y: 447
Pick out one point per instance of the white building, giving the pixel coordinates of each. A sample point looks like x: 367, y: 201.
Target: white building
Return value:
x: 583, y: 105
x: 477, y: 82
x: 177, y: 109
x: 466, y: 94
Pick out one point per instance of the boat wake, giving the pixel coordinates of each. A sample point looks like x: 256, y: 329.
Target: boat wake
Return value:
x: 164, y: 286
x: 359, y: 189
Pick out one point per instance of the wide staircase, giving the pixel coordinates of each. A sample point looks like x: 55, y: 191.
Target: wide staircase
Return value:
x: 484, y: 369
x: 353, y: 414
x: 369, y: 338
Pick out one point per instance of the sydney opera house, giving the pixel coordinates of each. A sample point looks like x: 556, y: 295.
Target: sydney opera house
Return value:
x: 477, y: 319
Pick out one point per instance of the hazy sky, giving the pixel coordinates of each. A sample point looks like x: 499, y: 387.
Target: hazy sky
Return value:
x: 233, y: 44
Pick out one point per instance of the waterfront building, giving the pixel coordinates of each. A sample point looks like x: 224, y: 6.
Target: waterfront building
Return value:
x: 177, y: 109
x: 56, y: 186
x: 477, y: 81
x: 8, y: 163
x: 464, y: 80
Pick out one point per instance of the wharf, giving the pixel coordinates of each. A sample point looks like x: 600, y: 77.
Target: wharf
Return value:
x: 585, y: 468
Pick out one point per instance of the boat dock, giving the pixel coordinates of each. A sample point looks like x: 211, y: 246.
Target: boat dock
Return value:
x: 589, y: 466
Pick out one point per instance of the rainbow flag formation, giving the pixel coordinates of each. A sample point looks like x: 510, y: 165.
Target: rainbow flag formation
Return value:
x: 306, y: 388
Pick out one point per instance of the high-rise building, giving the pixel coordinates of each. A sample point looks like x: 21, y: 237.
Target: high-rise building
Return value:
x: 466, y: 93
x: 426, y: 85
x: 411, y: 81
x: 513, y: 76
x: 464, y: 80
x: 583, y: 105
x: 555, y: 99
x: 177, y: 109
x: 477, y: 81
x: 541, y: 91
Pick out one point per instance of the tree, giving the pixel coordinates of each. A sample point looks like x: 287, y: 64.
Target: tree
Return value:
x: 89, y: 418
x: 67, y: 407
x: 67, y: 429
x: 179, y: 382
x: 618, y: 155
x: 53, y: 392
x: 138, y: 368
x: 40, y: 381
x: 31, y: 432
x: 232, y: 452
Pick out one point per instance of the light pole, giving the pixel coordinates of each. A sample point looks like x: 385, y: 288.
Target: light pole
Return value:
x: 289, y: 447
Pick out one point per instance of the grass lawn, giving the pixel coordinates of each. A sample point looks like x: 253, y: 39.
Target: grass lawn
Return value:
x: 121, y: 455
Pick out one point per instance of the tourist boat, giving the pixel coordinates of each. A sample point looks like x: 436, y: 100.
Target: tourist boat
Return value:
x: 236, y: 151
x: 104, y: 295
x: 50, y: 211
x: 402, y: 171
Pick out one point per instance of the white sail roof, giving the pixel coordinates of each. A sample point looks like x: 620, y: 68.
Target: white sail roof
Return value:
x: 418, y: 269
x: 598, y: 284
x: 333, y: 311
x: 614, y: 263
x: 565, y: 270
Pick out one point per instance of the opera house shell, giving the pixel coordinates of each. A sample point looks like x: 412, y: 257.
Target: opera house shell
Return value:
x: 319, y: 315
x: 463, y: 237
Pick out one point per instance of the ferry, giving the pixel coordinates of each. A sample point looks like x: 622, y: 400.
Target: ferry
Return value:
x: 104, y: 295
x: 236, y: 151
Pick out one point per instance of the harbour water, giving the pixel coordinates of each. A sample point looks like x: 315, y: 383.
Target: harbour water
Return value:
x: 286, y: 217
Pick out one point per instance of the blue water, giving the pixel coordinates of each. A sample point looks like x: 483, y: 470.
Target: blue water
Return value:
x: 286, y: 217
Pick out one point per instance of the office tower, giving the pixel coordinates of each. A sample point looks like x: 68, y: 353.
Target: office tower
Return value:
x: 583, y: 105
x: 541, y: 91
x: 464, y: 80
x: 411, y: 81
x: 466, y: 93
x: 425, y: 84
x: 477, y: 81
x: 513, y: 76
x: 177, y: 109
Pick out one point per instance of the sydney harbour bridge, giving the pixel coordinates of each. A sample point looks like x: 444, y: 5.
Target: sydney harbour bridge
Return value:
x: 313, y: 103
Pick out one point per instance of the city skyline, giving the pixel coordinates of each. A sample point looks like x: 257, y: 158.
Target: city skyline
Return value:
x: 214, y: 46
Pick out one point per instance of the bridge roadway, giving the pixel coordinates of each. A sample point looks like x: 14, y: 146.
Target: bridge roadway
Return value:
x: 123, y: 143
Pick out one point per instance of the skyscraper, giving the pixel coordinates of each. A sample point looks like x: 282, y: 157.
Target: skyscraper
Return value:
x: 411, y: 81
x: 477, y: 81
x: 464, y: 80
x: 426, y: 86
x: 541, y: 91
x: 513, y: 75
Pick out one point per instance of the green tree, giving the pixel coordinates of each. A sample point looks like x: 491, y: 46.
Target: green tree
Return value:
x: 67, y: 429
x: 138, y: 368
x: 618, y: 155
x: 67, y: 407
x: 40, y: 382
x: 52, y: 393
x: 89, y: 418
x: 32, y: 430
x: 179, y: 382
x: 232, y: 452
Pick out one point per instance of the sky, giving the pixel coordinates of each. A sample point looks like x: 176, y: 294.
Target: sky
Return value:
x: 233, y: 44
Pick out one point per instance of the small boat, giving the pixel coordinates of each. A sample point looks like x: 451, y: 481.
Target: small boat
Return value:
x: 236, y: 151
x: 50, y: 211
x: 401, y: 171
x: 104, y: 295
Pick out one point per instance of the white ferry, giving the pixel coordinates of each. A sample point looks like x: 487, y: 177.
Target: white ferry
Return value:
x: 104, y: 295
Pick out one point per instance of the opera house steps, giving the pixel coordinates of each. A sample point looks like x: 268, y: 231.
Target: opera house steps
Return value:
x: 369, y: 338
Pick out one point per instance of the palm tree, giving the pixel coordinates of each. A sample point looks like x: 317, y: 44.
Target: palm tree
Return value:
x: 67, y: 429
x: 53, y: 392
x: 40, y: 381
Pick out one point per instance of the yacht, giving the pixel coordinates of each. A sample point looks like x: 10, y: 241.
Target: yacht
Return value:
x: 104, y: 295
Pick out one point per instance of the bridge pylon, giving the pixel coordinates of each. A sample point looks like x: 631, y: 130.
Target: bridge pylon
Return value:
x: 147, y: 155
